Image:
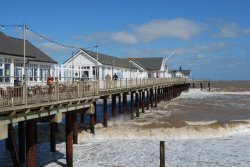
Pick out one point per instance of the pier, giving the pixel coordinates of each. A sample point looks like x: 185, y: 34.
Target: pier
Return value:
x: 26, y: 104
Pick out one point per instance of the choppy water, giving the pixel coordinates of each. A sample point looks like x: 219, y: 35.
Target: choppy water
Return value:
x: 200, y: 128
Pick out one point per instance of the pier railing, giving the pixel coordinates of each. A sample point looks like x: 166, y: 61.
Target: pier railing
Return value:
x: 39, y: 92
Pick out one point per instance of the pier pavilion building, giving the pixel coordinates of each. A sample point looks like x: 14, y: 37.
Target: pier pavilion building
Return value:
x: 38, y: 64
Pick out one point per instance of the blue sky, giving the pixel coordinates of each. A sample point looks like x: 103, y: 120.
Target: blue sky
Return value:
x: 210, y: 37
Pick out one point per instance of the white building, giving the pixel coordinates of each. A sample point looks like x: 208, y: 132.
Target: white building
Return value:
x: 150, y: 67
x: 85, y: 62
x: 39, y: 65
x: 180, y: 73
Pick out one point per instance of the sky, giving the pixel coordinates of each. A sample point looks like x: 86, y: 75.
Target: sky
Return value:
x: 209, y: 37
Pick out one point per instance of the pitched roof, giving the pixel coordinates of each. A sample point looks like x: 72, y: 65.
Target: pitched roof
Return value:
x: 111, y: 60
x: 149, y: 63
x: 14, y: 47
x: 184, y: 72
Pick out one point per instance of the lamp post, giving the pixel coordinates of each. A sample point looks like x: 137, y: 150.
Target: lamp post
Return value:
x: 97, y: 67
x: 97, y: 70
x: 24, y: 66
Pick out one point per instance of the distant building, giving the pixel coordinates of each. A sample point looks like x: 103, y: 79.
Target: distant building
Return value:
x: 39, y: 65
x: 180, y: 73
x: 150, y: 67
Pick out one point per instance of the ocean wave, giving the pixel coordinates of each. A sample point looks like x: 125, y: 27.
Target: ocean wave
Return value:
x: 163, y: 131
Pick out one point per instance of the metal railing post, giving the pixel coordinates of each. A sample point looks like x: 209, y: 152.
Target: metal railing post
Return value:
x: 56, y: 89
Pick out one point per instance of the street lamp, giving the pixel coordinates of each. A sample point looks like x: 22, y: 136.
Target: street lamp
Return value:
x: 24, y: 66
x: 97, y: 67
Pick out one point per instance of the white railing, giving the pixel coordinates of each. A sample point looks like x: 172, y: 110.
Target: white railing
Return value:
x: 38, y: 92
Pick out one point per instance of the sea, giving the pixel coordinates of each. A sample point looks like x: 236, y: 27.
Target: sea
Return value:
x: 201, y: 128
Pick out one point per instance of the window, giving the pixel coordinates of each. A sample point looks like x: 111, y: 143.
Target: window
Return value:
x: 1, y: 63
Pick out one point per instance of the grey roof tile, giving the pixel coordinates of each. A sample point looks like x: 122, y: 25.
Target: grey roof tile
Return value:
x: 14, y: 47
x: 149, y: 63
x: 111, y: 60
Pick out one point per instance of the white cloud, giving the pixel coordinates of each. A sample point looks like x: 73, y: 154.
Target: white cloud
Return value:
x: 124, y: 38
x: 231, y: 30
x: 246, y: 31
x: 193, y: 50
x: 180, y: 28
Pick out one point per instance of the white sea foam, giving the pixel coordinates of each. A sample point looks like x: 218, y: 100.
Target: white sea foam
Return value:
x: 201, y: 94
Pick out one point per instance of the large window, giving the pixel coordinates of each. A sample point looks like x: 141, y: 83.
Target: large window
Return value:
x: 5, y: 69
x: 32, y: 72
x: 44, y: 72
x: 18, y: 66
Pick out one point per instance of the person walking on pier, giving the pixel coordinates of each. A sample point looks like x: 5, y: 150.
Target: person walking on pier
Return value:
x: 108, y: 80
x: 50, y: 81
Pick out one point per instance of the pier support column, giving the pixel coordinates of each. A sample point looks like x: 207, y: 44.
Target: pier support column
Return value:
x: 124, y: 102
x: 155, y: 97
x: 131, y: 105
x: 193, y: 85
x: 147, y: 101
x: 140, y: 98
x: 113, y: 105
x: 30, y: 143
x: 83, y: 116
x: 143, y: 102
x: 119, y: 104
x: 21, y: 140
x: 52, y: 136
x: 95, y: 110
x: 105, y: 112
x: 92, y: 123
x: 209, y: 88
x: 151, y: 97
x: 13, y: 146
x: 137, y: 103
x: 75, y: 127
x: 201, y: 85
x: 69, y: 140
x: 35, y: 129
x: 165, y: 93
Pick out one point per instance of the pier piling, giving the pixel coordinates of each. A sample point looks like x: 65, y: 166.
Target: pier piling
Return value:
x: 83, y: 116
x: 75, y: 127
x: 105, y: 112
x: 21, y: 140
x: 162, y: 153
x: 92, y: 123
x: 30, y: 143
x: 137, y: 103
x: 143, y: 101
x: 147, y: 101
x: 155, y: 97
x: 151, y: 97
x: 131, y: 106
x: 113, y: 105
x: 69, y: 139
x: 201, y: 85
x: 119, y: 104
x: 52, y: 136
x: 124, y: 101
